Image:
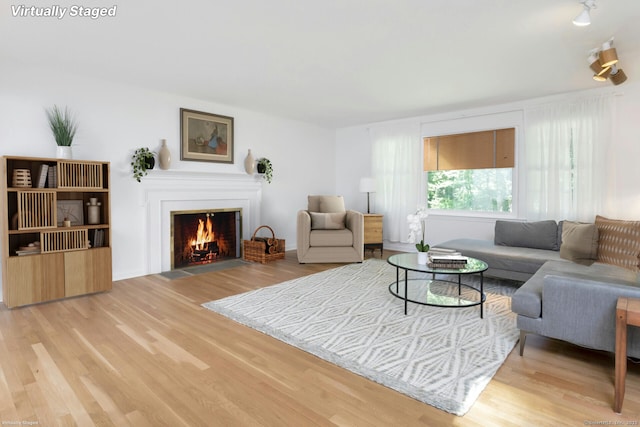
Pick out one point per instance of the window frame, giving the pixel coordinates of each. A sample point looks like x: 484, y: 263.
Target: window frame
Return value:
x: 479, y: 123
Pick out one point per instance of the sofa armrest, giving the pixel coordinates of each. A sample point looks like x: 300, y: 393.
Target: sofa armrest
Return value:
x: 583, y: 311
x: 303, y: 232
x: 355, y: 223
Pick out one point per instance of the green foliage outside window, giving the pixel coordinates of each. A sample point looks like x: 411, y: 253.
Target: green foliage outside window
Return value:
x: 479, y: 190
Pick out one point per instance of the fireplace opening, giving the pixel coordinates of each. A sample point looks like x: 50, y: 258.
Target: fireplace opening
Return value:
x: 202, y: 237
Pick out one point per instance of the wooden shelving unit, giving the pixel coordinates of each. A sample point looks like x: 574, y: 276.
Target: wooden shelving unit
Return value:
x: 66, y: 260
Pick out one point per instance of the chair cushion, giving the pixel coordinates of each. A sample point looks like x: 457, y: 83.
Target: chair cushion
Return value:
x: 618, y: 242
x: 331, y: 238
x: 327, y: 221
x: 326, y: 204
x: 579, y: 242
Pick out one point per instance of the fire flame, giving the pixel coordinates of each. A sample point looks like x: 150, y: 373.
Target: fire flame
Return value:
x: 203, y: 236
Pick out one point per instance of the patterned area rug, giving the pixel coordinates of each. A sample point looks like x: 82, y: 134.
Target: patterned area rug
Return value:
x: 444, y: 357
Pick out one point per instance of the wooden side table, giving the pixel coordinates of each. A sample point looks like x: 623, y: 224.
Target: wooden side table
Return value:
x: 373, y: 232
x: 627, y: 313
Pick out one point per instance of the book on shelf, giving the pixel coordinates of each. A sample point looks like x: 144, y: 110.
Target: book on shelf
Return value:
x: 52, y: 177
x: 98, y: 238
x: 42, y: 175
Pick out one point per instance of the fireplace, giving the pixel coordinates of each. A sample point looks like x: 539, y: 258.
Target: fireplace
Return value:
x: 164, y: 192
x: 205, y: 236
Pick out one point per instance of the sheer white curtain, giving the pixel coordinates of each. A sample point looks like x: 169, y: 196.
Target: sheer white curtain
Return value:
x: 565, y: 151
x: 397, y: 167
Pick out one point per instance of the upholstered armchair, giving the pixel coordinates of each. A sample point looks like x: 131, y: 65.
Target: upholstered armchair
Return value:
x: 327, y: 232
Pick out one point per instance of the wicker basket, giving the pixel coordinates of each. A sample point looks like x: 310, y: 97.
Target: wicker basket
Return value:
x: 261, y: 249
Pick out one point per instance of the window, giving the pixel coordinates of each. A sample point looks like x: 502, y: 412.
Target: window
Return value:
x: 470, y: 171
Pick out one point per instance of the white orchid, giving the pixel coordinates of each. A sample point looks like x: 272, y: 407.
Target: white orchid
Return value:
x: 417, y: 226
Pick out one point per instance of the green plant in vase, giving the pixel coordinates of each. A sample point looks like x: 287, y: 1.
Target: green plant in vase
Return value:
x: 141, y: 161
x: 62, y: 125
x: 265, y: 167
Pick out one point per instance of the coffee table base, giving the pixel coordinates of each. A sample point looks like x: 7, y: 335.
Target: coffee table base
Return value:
x: 438, y: 292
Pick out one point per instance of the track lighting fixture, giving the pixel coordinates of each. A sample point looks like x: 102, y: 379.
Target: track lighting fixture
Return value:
x: 584, y: 18
x: 603, y: 60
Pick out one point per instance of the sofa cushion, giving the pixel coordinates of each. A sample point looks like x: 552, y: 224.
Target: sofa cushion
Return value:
x: 326, y: 204
x: 537, y: 235
x: 331, y: 238
x: 327, y: 221
x: 579, y: 242
x: 527, y: 300
x: 618, y: 242
x: 505, y: 258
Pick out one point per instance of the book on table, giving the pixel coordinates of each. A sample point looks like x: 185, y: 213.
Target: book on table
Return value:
x: 448, y: 259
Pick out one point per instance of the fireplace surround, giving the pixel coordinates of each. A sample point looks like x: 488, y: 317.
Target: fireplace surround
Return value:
x: 164, y: 192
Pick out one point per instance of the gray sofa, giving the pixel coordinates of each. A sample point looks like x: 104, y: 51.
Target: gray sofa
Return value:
x: 567, y: 299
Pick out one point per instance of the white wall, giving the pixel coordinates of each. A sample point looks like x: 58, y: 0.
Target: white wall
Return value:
x: 623, y: 195
x: 115, y: 119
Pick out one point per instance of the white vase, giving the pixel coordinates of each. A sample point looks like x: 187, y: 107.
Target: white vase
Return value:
x: 249, y: 163
x: 164, y: 155
x: 64, y: 152
x: 422, y: 258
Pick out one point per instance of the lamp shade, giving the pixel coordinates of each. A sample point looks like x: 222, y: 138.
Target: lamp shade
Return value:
x: 583, y: 19
x: 608, y: 57
x: 367, y: 185
x: 618, y: 78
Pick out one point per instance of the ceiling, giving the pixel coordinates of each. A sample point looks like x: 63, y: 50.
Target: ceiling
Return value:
x: 334, y: 63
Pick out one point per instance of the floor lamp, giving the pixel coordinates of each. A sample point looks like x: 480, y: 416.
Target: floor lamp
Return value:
x: 368, y: 185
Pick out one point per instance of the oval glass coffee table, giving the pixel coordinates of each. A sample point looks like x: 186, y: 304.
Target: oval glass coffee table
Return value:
x: 438, y: 292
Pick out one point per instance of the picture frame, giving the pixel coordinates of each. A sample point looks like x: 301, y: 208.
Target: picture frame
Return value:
x: 206, y: 137
x: 71, y: 209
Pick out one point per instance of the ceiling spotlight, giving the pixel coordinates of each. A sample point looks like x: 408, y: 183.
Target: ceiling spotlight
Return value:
x: 594, y: 61
x: 603, y: 75
x: 583, y: 19
x: 617, y: 76
x: 608, y: 55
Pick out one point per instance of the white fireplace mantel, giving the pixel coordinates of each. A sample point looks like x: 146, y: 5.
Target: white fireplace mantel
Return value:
x: 166, y: 191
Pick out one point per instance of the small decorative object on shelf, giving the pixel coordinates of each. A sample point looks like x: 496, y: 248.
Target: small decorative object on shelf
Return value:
x: 93, y: 211
x: 21, y: 178
x: 64, y: 129
x: 164, y: 156
x: 265, y: 167
x: 142, y: 160
x: 249, y: 163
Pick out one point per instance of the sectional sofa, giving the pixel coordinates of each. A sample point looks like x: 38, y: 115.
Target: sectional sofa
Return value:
x: 572, y: 274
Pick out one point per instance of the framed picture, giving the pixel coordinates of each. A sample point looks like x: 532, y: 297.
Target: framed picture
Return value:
x: 206, y: 137
x: 70, y: 209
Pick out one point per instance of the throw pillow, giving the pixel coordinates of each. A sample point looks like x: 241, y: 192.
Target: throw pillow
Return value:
x: 538, y: 235
x: 619, y: 242
x: 579, y: 242
x: 327, y: 221
x: 327, y: 204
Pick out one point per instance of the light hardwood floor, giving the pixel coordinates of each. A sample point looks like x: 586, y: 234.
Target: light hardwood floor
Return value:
x: 147, y: 354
